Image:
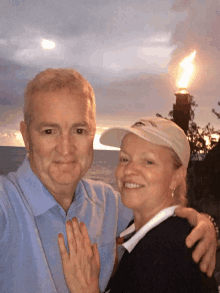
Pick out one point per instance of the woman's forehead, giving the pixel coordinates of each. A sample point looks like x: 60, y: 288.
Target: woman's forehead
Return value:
x: 134, y: 144
x: 131, y: 139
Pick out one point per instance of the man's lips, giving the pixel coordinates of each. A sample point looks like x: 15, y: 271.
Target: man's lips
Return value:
x: 65, y: 166
x: 64, y: 162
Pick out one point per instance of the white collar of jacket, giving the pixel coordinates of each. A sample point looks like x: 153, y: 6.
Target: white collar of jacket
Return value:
x: 155, y: 221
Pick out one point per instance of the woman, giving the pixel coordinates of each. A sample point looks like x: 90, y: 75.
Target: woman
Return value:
x: 151, y: 176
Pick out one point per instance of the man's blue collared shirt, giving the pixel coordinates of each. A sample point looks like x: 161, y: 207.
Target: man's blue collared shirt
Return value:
x: 31, y: 219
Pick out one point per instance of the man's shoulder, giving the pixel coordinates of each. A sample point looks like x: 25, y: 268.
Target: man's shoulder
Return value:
x: 24, y: 171
x: 96, y: 184
x: 102, y: 191
x: 6, y: 182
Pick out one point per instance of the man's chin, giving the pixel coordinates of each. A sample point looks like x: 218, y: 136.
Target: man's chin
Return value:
x: 65, y: 177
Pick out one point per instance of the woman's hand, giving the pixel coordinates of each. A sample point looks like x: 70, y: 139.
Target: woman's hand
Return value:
x: 204, y: 232
x: 81, y: 266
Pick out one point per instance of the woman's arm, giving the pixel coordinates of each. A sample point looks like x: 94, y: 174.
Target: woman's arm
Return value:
x: 204, y: 233
x: 81, y: 266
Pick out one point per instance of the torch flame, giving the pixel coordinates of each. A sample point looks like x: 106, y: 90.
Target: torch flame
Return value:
x: 187, y: 67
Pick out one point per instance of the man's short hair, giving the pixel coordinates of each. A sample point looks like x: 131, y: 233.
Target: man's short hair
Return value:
x: 55, y: 80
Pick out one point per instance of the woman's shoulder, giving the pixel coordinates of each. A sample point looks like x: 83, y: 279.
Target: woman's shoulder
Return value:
x: 171, y: 231
x: 164, y: 243
x: 163, y: 255
x: 174, y: 228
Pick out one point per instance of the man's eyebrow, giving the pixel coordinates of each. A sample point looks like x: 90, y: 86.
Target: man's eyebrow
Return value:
x: 48, y: 124
x: 78, y: 124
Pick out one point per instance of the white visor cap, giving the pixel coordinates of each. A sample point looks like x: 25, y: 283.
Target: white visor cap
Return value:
x: 153, y: 129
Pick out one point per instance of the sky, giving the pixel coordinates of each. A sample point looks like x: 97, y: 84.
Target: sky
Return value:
x: 128, y: 50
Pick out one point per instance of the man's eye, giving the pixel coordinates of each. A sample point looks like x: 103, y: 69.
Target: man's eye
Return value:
x: 80, y: 131
x: 48, y: 131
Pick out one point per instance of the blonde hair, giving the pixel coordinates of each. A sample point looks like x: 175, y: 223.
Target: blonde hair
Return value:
x: 180, y: 193
x: 55, y: 80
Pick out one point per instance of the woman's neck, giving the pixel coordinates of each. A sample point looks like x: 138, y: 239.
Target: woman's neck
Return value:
x: 141, y: 217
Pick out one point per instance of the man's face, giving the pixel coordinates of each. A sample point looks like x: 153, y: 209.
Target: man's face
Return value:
x: 60, y: 138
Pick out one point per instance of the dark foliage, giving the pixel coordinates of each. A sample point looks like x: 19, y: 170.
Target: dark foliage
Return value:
x: 201, y: 139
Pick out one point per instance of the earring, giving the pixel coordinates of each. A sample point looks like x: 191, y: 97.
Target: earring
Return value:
x: 172, y: 193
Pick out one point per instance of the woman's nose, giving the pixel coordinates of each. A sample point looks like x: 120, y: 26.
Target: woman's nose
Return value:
x: 131, y: 168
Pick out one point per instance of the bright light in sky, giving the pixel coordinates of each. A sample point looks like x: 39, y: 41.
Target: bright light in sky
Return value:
x: 46, y: 44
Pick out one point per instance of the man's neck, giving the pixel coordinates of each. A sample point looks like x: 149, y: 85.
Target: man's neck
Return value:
x: 64, y: 197
x: 65, y: 203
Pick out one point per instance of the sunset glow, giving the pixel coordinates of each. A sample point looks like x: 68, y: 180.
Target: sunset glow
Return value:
x: 98, y: 146
x: 19, y: 138
x: 186, y: 71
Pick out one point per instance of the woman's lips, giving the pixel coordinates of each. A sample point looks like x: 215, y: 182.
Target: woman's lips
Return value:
x: 132, y: 185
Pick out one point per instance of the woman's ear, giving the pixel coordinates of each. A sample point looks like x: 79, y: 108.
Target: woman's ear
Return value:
x: 178, y: 176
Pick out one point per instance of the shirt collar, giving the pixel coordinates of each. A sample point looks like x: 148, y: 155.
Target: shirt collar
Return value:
x: 155, y: 221
x: 38, y: 197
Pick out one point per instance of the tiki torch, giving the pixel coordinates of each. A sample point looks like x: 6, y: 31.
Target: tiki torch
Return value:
x: 181, y: 110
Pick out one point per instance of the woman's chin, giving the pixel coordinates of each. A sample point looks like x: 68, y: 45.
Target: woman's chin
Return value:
x: 130, y: 203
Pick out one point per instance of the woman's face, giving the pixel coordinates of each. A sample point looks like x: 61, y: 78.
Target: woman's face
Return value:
x: 145, y: 174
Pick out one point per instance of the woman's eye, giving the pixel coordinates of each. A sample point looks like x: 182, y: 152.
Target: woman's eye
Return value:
x: 123, y: 159
x: 149, y: 162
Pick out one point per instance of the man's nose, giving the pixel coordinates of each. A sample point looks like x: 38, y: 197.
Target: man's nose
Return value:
x: 66, y: 144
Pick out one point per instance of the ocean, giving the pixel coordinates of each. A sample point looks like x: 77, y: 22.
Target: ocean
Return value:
x: 103, y: 166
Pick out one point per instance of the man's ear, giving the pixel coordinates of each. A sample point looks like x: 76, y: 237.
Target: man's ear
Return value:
x: 178, y: 176
x: 25, y: 134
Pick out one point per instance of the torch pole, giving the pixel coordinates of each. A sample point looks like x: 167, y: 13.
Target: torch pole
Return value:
x: 181, y: 110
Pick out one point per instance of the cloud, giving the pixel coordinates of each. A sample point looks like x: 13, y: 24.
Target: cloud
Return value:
x: 137, y: 96
x: 86, y: 32
x: 11, y: 139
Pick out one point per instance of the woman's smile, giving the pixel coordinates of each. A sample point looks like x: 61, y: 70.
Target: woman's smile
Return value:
x: 132, y: 185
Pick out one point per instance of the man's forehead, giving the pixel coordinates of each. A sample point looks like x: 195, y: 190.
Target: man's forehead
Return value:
x: 61, y: 94
x: 47, y: 102
x: 65, y: 123
x: 61, y: 107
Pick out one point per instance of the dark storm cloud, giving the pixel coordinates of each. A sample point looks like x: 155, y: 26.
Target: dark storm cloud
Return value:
x: 12, y: 82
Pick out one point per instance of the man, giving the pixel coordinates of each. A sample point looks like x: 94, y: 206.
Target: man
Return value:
x: 47, y: 190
